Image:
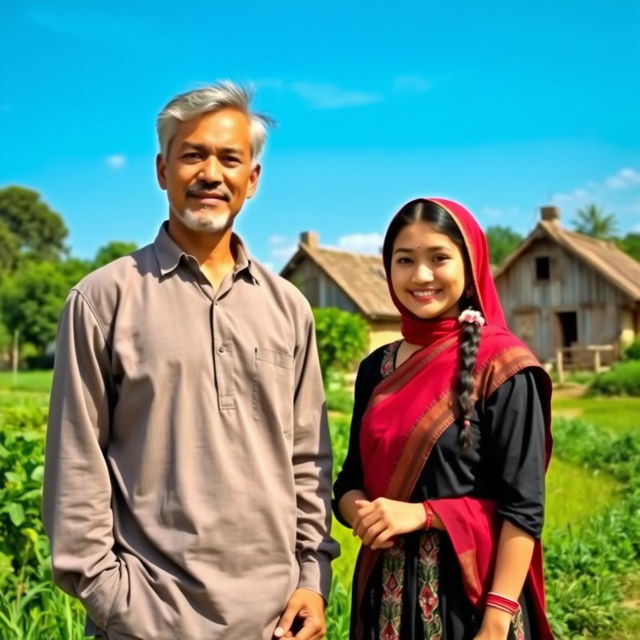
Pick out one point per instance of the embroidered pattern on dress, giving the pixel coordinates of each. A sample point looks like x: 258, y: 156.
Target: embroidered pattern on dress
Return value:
x: 428, y: 584
x: 392, y: 582
x: 517, y: 624
x: 388, y: 363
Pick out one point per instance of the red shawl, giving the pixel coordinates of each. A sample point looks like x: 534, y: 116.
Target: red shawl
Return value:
x: 411, y: 408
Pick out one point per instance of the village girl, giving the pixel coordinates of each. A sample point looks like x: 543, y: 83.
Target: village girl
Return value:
x: 444, y: 477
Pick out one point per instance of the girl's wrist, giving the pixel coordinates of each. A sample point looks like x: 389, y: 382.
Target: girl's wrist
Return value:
x: 495, y: 622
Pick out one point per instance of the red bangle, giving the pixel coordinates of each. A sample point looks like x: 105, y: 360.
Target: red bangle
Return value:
x: 429, y: 511
x: 503, y: 603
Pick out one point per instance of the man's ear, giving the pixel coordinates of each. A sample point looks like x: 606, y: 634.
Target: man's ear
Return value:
x: 161, y: 168
x: 253, y: 180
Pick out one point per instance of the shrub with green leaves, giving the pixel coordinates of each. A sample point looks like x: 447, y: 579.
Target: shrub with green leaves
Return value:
x: 342, y: 338
x: 632, y: 352
x: 622, y: 380
x: 340, y: 400
x: 584, y: 565
x: 30, y: 605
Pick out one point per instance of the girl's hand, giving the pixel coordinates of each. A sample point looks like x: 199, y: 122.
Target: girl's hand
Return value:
x: 495, y: 625
x: 376, y: 522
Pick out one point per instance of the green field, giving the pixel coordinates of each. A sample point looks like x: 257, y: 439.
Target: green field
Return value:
x: 620, y: 415
x: 577, y: 495
x: 28, y: 381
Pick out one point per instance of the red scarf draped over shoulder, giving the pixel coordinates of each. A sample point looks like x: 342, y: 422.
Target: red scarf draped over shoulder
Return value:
x: 411, y: 408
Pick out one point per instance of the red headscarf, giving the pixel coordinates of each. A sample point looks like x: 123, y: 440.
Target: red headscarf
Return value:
x: 419, y: 331
x: 399, y: 402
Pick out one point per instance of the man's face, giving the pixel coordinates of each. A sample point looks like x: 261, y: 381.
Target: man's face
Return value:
x: 208, y: 170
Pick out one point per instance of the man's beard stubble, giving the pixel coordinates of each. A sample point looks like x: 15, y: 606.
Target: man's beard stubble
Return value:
x: 205, y: 221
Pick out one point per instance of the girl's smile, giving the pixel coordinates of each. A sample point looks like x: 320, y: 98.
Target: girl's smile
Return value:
x: 427, y: 271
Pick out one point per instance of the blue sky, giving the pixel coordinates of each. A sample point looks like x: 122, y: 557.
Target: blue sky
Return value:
x: 504, y: 106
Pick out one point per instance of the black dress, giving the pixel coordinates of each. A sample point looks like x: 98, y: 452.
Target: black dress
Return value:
x: 507, y: 466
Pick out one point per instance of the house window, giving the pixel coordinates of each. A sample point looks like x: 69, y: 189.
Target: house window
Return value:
x: 542, y: 268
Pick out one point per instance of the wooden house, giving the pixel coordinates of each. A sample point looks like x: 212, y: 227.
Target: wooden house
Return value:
x: 350, y: 281
x: 565, y: 291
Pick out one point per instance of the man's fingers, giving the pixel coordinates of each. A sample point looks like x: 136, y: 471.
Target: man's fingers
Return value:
x: 312, y: 629
x: 286, y: 620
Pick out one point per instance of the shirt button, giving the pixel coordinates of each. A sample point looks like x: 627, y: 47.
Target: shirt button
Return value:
x: 220, y: 349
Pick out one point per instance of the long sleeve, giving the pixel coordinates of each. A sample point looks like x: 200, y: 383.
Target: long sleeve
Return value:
x: 312, y: 460
x: 77, y: 489
x: 350, y: 476
x: 516, y: 421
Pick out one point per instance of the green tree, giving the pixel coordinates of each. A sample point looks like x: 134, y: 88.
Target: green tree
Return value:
x: 592, y: 221
x: 342, y: 339
x: 33, y: 297
x: 113, y: 251
x: 630, y: 244
x: 28, y: 227
x: 503, y: 241
x: 8, y: 249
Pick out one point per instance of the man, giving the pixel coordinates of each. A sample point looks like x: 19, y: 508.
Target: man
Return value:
x: 188, y: 461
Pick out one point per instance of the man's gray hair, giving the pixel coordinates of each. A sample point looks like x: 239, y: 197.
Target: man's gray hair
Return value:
x: 223, y: 95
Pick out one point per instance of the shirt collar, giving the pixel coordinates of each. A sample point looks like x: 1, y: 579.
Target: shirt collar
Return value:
x: 169, y: 254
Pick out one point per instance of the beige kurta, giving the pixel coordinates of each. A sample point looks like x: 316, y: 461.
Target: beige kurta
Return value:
x: 188, y: 461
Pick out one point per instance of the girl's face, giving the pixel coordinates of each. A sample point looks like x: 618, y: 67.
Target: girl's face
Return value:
x: 427, y: 272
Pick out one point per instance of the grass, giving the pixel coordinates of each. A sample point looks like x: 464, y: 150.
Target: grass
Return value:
x: 614, y: 414
x: 575, y: 493
x: 26, y: 381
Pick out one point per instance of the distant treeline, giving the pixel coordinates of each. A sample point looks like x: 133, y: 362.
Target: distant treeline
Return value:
x: 37, y: 268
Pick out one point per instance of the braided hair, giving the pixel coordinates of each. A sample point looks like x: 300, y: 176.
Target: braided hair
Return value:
x: 469, y: 342
x: 440, y: 220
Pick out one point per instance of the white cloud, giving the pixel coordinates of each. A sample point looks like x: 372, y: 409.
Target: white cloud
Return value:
x: 577, y: 198
x: 116, y: 161
x: 623, y: 179
x: 593, y: 191
x: 361, y: 242
x: 411, y: 84
x: 276, y: 240
x: 328, y: 95
x: 283, y: 252
x: 324, y: 95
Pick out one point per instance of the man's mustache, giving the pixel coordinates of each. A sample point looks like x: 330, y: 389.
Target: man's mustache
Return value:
x: 201, y: 188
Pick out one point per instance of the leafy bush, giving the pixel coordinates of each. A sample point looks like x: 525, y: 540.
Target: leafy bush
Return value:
x: 622, y: 380
x: 340, y: 400
x: 632, y: 352
x: 21, y: 467
x: 342, y: 339
x: 339, y: 429
x: 30, y: 606
x: 584, y: 566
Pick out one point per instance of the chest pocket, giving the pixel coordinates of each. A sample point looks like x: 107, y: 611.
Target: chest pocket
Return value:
x: 273, y: 388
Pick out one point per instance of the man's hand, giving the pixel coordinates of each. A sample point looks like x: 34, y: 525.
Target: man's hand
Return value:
x: 306, y: 609
x: 377, y: 522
